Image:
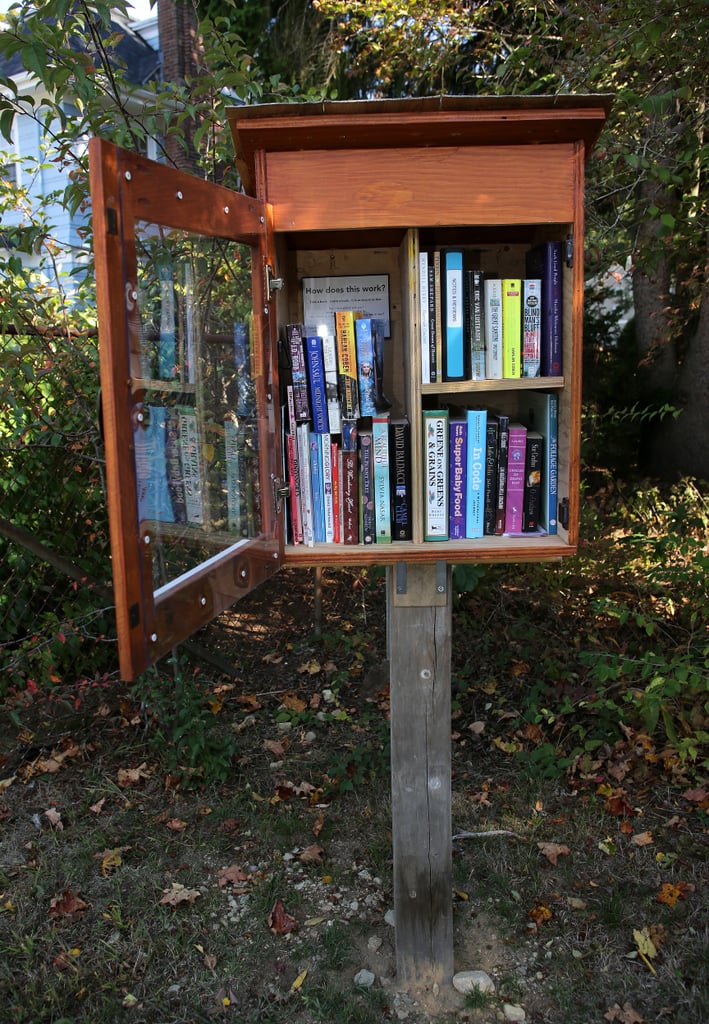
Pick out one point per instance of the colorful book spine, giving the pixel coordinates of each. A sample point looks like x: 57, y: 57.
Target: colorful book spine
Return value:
x: 516, y: 460
x: 511, y: 327
x: 382, y: 492
x: 336, y: 498
x: 366, y: 486
x: 306, y: 491
x: 435, y: 452
x: 400, y: 478
x: 233, y: 475
x: 173, y: 465
x: 294, y: 488
x: 492, y: 298
x: 475, y: 474
x: 364, y: 339
x: 543, y: 415
x: 438, y: 314
x: 533, y: 482
x: 347, y: 363
x: 245, y: 393
x: 475, y: 323
x: 453, y: 314
x: 328, y: 499
x: 299, y: 375
x: 316, y: 383
x: 545, y: 262
x: 316, y: 485
x: 350, y: 496
x: 190, y: 449
x: 491, y: 459
x: 503, y: 439
x: 434, y: 326
x: 457, y: 445
x: 332, y: 393
x: 531, y: 327
x: 423, y: 318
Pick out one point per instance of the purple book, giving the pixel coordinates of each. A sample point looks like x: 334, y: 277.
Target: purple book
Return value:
x: 516, y: 458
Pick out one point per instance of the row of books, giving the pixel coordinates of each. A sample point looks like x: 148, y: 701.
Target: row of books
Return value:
x: 476, y: 326
x: 488, y: 474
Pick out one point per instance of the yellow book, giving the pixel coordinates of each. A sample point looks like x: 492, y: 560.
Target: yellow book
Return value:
x: 511, y: 327
x: 347, y: 363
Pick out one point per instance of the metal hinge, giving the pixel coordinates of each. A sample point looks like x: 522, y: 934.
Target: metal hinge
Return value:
x: 569, y: 251
x: 273, y: 284
x: 280, y: 492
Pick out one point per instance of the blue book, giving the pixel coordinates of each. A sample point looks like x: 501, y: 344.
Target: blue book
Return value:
x: 458, y: 445
x: 543, y: 415
x: 475, y: 489
x: 382, y: 493
x: 545, y: 262
x: 316, y: 485
x: 454, y: 315
x: 364, y: 339
x: 316, y: 383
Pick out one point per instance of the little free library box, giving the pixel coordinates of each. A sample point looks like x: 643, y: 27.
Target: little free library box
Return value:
x: 370, y: 355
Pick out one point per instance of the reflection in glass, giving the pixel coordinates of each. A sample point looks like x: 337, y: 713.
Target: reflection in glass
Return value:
x: 195, y: 417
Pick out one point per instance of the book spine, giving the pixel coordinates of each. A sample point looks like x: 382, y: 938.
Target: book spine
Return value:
x: 492, y: 298
x: 332, y: 393
x: 294, y: 488
x: 306, y: 491
x: 350, y: 497
x: 233, y: 476
x: 423, y: 316
x: 502, y: 456
x: 545, y: 262
x: 336, y: 498
x: 245, y: 392
x: 491, y: 460
x: 299, y: 376
x: 364, y: 338
x: 516, y: 458
x: 533, y: 482
x: 435, y: 449
x: 433, y: 322
x: 458, y: 435
x: 477, y: 433
x: 531, y: 327
x: 552, y: 466
x: 347, y: 363
x: 475, y: 324
x: 452, y: 294
x: 400, y: 480
x: 382, y: 493
x: 438, y: 314
x: 328, y: 502
x: 173, y: 465
x: 316, y: 484
x: 366, y: 483
x: 511, y: 327
x: 316, y: 382
x: 191, y: 470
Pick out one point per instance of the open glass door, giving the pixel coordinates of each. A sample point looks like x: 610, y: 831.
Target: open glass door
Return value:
x: 188, y: 408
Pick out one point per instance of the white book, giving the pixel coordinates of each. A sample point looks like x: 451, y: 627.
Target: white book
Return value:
x: 493, y: 327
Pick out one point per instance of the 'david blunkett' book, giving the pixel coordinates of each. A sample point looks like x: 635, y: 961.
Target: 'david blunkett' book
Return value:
x: 400, y: 478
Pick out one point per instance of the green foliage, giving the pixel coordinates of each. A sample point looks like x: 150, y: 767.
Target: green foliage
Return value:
x: 185, y: 730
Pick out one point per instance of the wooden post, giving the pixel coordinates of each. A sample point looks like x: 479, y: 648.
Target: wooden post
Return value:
x: 419, y: 610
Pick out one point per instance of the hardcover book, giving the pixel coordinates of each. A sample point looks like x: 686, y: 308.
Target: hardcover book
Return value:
x: 477, y: 437
x: 457, y: 446
x: 332, y: 392
x: 453, y: 315
x: 400, y: 478
x: 316, y: 383
x: 544, y: 262
x: 511, y: 327
x: 543, y: 415
x: 532, y: 482
x: 382, y: 494
x: 503, y: 445
x: 347, y: 363
x: 516, y: 460
x: 423, y: 317
x: 435, y: 453
x: 366, y: 486
x: 492, y: 298
x: 531, y: 327
x: 475, y: 323
x: 299, y: 376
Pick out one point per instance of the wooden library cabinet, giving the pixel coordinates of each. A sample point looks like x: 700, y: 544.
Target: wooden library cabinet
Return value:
x: 337, y: 195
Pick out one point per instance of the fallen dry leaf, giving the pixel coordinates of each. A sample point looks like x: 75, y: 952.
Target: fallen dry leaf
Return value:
x: 178, y: 894
x: 311, y: 854
x: 319, y: 824
x: 233, y: 875
x: 176, y: 825
x: 4, y: 783
x: 670, y: 893
x: 54, y: 818
x: 132, y: 776
x: 277, y: 748
x: 623, y: 1015
x: 540, y: 914
x: 98, y: 807
x: 642, y: 839
x: 291, y: 702
x: 111, y: 859
x: 68, y: 906
x: 298, y: 983
x: 279, y: 922
x: 552, y: 851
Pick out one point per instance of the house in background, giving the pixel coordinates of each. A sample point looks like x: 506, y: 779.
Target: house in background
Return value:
x: 30, y: 162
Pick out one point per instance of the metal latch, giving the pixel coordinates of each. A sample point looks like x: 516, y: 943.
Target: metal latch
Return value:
x: 280, y: 492
x: 273, y: 284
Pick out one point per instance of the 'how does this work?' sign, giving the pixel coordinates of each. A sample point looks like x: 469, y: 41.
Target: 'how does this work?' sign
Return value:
x: 367, y: 294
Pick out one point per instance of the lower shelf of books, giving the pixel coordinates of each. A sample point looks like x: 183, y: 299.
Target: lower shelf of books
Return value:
x: 536, y: 548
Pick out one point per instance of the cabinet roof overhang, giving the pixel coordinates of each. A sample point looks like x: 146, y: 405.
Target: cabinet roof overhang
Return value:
x: 417, y: 123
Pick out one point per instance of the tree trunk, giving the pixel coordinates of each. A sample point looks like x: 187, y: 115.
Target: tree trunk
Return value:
x: 178, y: 43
